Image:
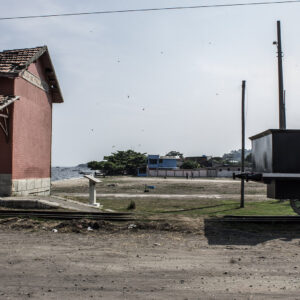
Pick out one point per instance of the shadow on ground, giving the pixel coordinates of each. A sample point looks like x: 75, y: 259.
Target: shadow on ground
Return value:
x: 200, y: 208
x: 221, y: 233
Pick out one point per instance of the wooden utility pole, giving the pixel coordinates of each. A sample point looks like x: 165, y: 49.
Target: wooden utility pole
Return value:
x: 242, y: 204
x: 282, y: 121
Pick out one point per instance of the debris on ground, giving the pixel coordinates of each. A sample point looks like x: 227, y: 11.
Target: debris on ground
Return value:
x: 131, y: 226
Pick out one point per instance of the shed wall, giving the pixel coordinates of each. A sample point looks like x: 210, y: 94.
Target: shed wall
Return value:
x: 32, y: 130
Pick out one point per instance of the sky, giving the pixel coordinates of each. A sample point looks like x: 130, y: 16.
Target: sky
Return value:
x: 160, y: 81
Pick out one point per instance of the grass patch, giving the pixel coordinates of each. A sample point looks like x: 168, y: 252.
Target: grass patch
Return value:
x: 196, y: 207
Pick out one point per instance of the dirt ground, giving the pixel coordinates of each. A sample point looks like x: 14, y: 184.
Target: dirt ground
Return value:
x: 203, y: 260
x: 173, y: 256
x: 171, y: 186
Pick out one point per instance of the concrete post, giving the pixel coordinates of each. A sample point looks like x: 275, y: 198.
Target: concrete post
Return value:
x: 93, y: 193
x: 92, y: 186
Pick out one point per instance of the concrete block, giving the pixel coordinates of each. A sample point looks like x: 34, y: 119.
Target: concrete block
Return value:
x: 22, y: 185
x: 15, y: 185
x: 45, y: 182
x: 23, y: 193
x: 5, y: 184
x: 38, y: 183
x: 30, y: 183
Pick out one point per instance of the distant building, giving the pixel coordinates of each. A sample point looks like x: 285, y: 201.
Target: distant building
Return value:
x: 156, y: 162
x: 162, y: 162
x: 204, y: 161
x: 28, y: 88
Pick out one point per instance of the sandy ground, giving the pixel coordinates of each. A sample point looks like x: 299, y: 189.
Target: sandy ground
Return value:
x: 165, y: 196
x: 79, y: 181
x: 129, y: 187
x: 211, y: 263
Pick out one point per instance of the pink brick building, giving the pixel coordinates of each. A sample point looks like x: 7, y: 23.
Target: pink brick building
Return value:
x: 28, y: 88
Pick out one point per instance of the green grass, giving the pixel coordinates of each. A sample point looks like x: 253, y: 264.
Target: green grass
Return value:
x: 196, y: 207
x: 256, y: 202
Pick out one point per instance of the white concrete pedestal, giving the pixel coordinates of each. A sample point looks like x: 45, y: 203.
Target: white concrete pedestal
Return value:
x: 92, y: 184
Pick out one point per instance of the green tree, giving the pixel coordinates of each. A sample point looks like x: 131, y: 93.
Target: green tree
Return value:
x: 189, y: 164
x: 94, y: 165
x: 174, y: 153
x: 120, y: 162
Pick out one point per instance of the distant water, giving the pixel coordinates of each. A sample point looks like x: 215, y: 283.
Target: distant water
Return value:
x: 60, y: 173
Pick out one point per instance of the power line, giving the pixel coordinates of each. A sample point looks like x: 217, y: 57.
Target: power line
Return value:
x: 150, y: 9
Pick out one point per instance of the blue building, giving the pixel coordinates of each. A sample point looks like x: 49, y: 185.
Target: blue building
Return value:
x: 162, y: 162
x: 156, y: 162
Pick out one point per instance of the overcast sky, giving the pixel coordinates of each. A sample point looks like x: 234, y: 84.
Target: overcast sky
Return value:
x: 160, y: 81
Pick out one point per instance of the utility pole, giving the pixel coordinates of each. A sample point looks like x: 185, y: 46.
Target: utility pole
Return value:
x: 242, y: 203
x: 282, y: 121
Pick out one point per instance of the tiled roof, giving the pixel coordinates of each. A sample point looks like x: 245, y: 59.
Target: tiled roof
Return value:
x: 14, y: 61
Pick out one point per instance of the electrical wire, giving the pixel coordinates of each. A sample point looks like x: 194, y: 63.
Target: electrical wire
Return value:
x: 150, y: 9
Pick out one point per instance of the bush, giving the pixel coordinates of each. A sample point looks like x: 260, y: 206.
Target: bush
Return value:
x: 131, y: 205
x: 189, y: 164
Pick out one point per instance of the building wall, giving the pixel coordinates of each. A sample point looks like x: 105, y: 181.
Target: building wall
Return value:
x: 152, y: 164
x: 168, y: 163
x: 219, y: 172
x: 178, y: 173
x: 6, y: 88
x: 164, y: 164
x: 32, y: 130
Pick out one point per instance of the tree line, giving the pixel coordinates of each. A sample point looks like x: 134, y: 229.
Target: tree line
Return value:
x: 128, y: 162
